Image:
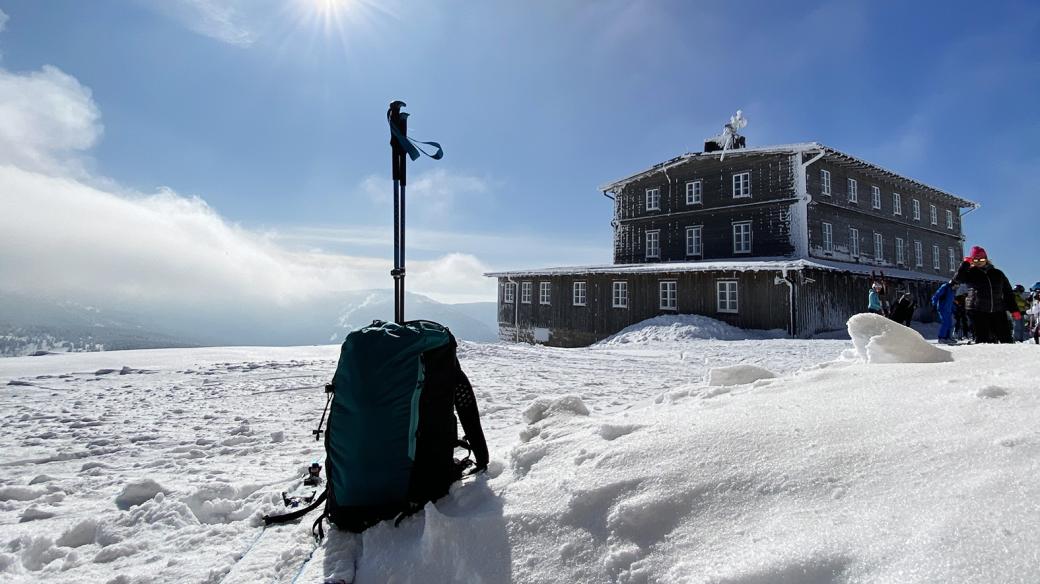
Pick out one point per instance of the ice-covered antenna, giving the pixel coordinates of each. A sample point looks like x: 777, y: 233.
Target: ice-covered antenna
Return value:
x: 730, y: 136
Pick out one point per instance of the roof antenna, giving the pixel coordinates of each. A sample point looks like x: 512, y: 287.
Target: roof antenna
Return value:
x: 730, y: 137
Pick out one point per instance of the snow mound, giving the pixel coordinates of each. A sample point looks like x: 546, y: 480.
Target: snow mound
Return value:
x: 138, y: 492
x: 683, y: 327
x: 738, y: 375
x: 542, y: 408
x: 880, y: 340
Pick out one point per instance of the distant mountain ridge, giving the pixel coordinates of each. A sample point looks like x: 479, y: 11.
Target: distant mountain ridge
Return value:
x: 30, y: 325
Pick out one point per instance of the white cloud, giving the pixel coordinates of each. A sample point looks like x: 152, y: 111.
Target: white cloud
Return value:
x: 48, y: 120
x: 3, y: 20
x: 439, y: 191
x: 67, y: 233
x: 63, y: 237
x: 223, y: 20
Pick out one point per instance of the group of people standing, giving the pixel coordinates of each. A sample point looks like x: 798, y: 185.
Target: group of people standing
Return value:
x: 975, y: 304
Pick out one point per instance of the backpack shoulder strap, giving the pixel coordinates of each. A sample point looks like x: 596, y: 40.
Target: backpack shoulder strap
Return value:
x: 287, y: 517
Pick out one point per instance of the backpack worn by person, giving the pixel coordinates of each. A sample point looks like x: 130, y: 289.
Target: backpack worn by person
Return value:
x: 392, y: 432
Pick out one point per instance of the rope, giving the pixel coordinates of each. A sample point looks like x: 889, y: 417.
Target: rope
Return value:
x: 304, y: 564
x: 245, y: 553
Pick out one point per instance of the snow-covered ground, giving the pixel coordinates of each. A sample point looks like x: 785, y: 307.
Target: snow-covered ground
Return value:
x: 657, y: 456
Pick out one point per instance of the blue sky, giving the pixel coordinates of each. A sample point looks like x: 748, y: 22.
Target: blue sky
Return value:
x: 268, y: 115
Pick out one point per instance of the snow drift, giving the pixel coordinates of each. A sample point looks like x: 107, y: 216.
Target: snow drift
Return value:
x: 683, y: 327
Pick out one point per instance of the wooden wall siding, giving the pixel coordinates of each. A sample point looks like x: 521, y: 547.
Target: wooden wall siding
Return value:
x: 839, y: 196
x: 772, y: 179
x: 762, y: 304
x: 842, y: 219
x: 770, y: 234
x: 831, y: 298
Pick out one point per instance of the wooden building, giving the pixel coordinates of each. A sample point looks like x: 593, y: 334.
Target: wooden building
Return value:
x: 780, y: 237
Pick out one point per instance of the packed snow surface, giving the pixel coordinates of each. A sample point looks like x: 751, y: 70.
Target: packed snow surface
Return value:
x: 616, y: 463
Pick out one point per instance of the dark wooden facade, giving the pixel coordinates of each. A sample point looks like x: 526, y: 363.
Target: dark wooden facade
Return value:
x: 787, y: 208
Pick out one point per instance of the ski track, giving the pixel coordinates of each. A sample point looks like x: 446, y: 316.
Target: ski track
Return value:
x: 219, y: 440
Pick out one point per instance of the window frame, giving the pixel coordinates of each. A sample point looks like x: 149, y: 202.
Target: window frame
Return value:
x: 875, y: 197
x: 656, y: 191
x: 953, y: 259
x: 726, y: 295
x: 933, y: 214
x: 525, y: 292
x: 742, y: 184
x: 544, y: 293
x: 750, y: 233
x: 695, y: 192
x: 672, y: 295
x: 852, y: 185
x: 579, y: 293
x: 854, y: 242
x: 828, y: 236
x: 897, y: 204
x: 879, y: 247
x: 915, y: 207
x: 949, y: 219
x: 825, y: 182
x: 656, y: 233
x: 699, y: 240
x: 900, y: 251
x: 619, y: 294
x: 936, y: 262
x: 509, y: 293
x: 918, y: 254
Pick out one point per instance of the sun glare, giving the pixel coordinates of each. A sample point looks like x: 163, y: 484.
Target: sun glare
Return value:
x: 337, y: 20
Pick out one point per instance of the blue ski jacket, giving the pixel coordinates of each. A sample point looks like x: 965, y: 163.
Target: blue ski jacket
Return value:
x: 942, y: 300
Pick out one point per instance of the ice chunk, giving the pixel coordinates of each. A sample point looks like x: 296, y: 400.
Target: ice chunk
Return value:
x: 880, y: 340
x: 138, y: 492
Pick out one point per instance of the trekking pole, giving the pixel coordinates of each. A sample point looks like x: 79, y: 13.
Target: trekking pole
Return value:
x: 399, y: 165
x: 401, y: 148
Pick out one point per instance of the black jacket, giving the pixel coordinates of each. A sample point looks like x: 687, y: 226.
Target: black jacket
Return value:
x: 990, y: 290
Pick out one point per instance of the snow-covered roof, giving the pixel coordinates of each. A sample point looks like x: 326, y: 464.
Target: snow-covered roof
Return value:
x: 792, y: 149
x: 748, y: 265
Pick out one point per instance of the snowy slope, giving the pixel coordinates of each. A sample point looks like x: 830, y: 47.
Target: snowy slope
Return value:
x: 610, y: 464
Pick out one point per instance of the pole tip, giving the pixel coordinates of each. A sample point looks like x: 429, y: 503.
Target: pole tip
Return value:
x: 397, y: 104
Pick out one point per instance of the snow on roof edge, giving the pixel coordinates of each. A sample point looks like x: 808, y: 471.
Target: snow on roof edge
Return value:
x: 792, y: 148
x: 749, y: 265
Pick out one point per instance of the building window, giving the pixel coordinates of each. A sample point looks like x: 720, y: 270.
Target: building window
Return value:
x: 854, y: 241
x: 825, y: 182
x: 742, y: 237
x: 853, y: 191
x: 509, y: 293
x: 879, y: 248
x: 579, y: 293
x: 653, y: 199
x: 694, y: 192
x: 653, y: 244
x: 949, y: 219
x: 953, y: 259
x: 916, y: 207
x: 897, y: 204
x: 742, y: 185
x: 828, y: 237
x: 669, y: 298
x: 543, y: 292
x: 934, y: 214
x: 918, y: 254
x: 726, y: 295
x: 935, y: 257
x: 620, y: 295
x: 525, y: 292
x: 875, y: 197
x: 900, y: 251
x: 693, y: 241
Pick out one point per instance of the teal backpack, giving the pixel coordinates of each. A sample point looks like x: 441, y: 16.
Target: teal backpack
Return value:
x: 392, y: 429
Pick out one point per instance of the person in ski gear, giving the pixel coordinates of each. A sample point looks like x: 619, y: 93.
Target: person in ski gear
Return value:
x: 942, y: 301
x: 1022, y: 301
x: 990, y: 298
x: 874, y: 298
x: 903, y: 310
x: 961, y: 325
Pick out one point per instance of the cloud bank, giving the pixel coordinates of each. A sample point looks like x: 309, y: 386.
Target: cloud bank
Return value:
x: 63, y: 236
